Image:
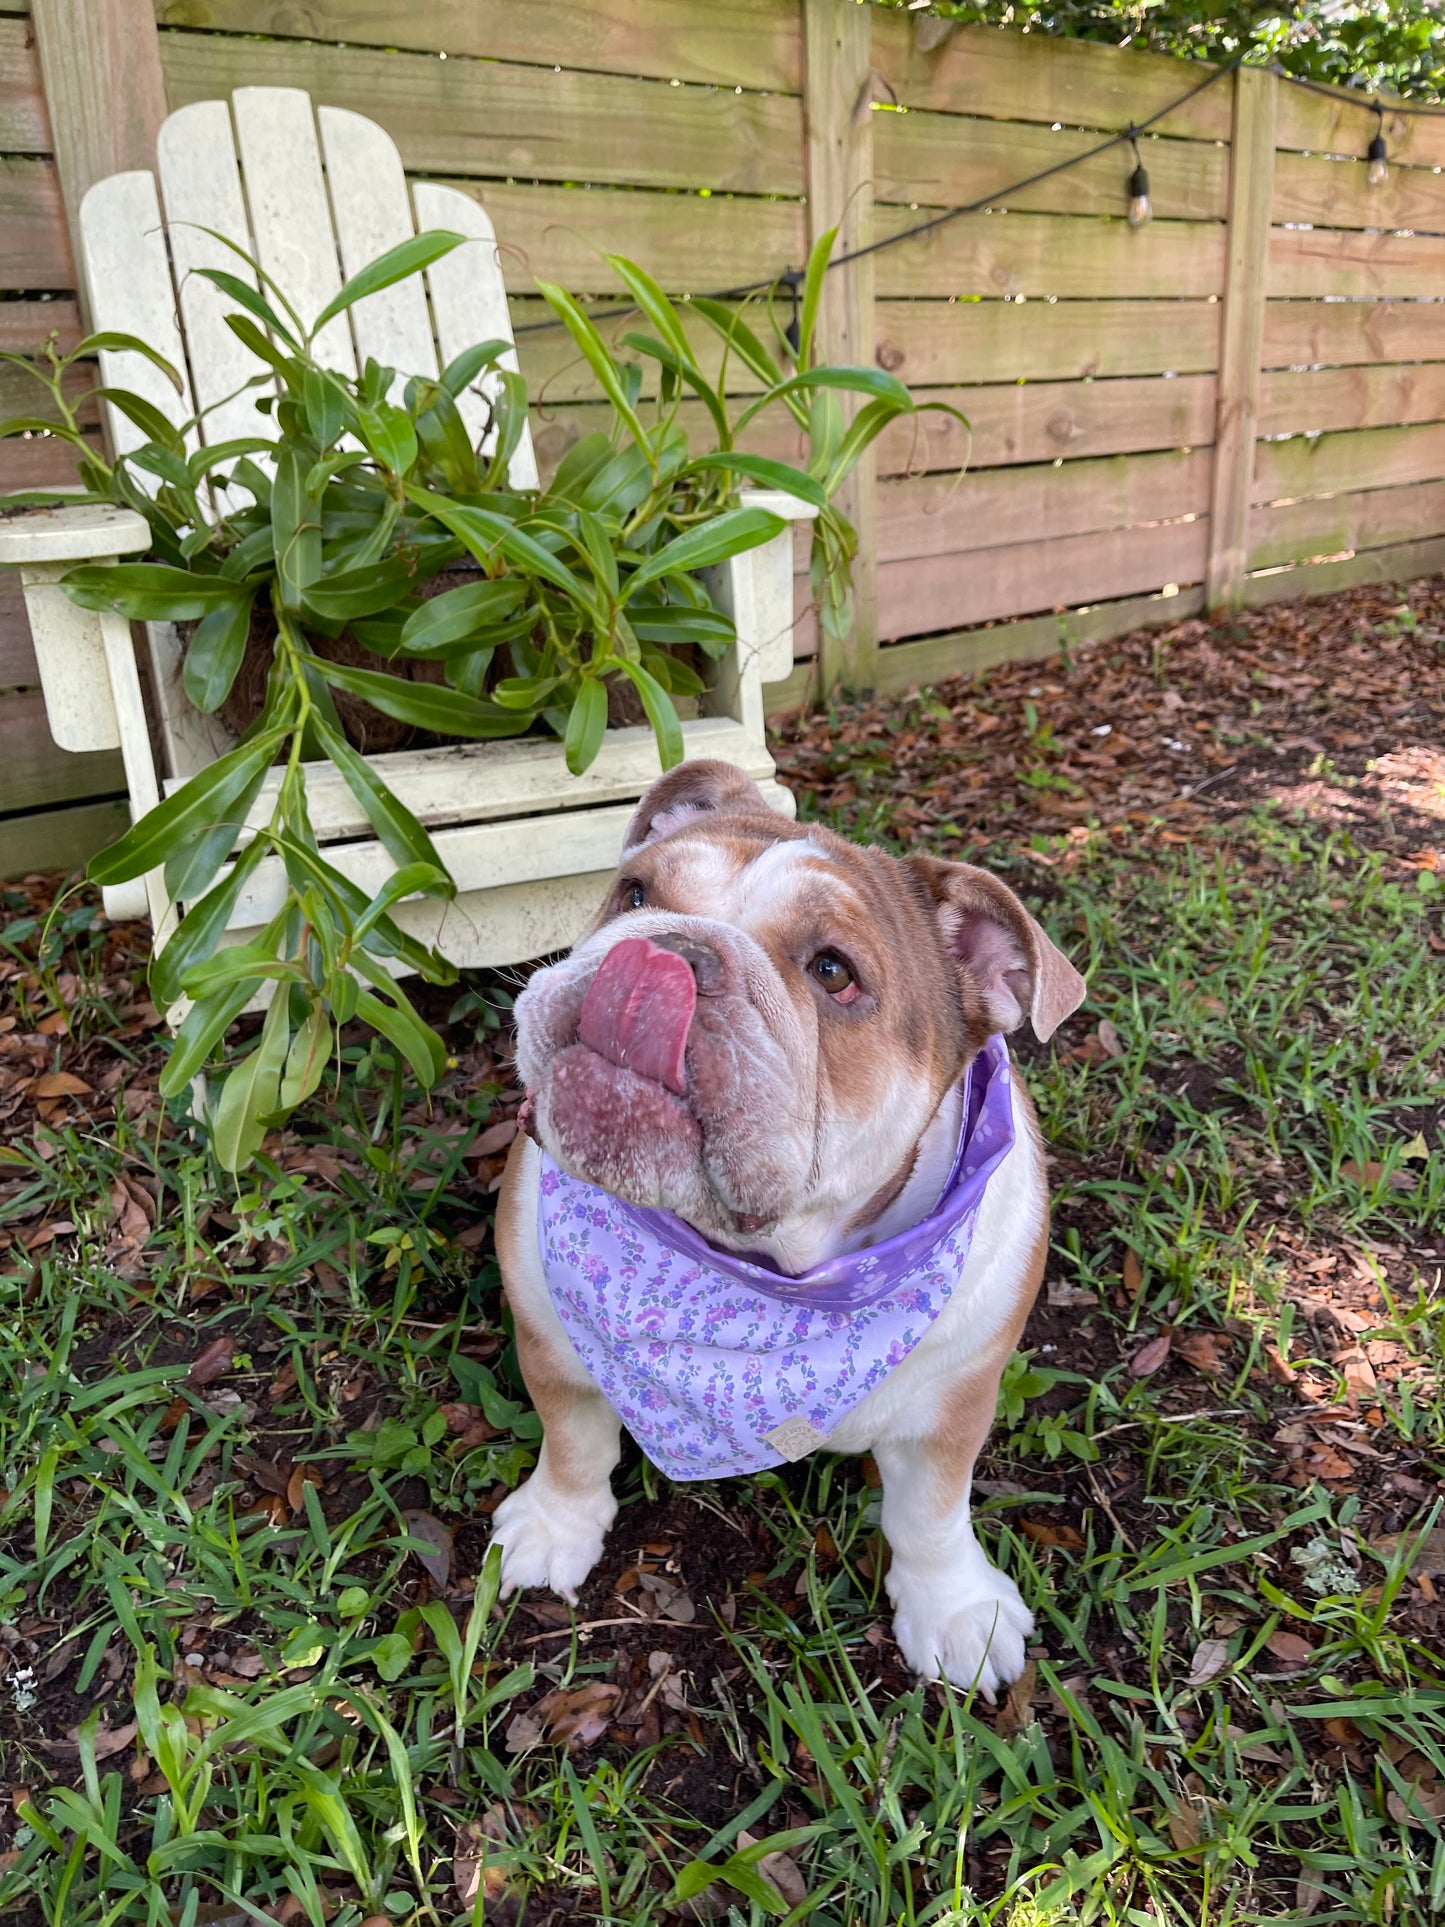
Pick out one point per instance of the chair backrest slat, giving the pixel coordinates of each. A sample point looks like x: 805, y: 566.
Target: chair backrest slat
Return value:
x: 128, y: 280
x: 469, y: 300
x: 290, y: 214
x: 372, y: 213
x: 201, y: 187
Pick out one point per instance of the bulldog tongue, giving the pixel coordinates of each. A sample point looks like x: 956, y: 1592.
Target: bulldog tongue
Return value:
x: 639, y: 1009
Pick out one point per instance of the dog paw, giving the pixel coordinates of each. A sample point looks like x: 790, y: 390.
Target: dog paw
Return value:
x: 550, y: 1540
x: 978, y: 1641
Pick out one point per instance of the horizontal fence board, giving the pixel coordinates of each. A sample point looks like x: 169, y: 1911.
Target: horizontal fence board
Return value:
x: 494, y: 118
x: 34, y: 250
x: 1404, y: 563
x: 1031, y: 422
x: 931, y: 515
x: 1369, y: 519
x: 1386, y: 395
x: 37, y: 461
x: 931, y: 342
x: 968, y: 652
x: 22, y: 394
x: 1324, y: 261
x: 1032, y: 77
x: 746, y: 43
x: 1306, y: 333
x: 34, y: 772
x: 942, y: 159
x: 1320, y: 124
x: 1044, y: 254
x: 17, y: 654
x: 25, y: 325
x: 1039, y: 421
x: 689, y: 243
x: 1337, y: 194
x: 1329, y: 464
x: 938, y: 592
x: 24, y: 123
x: 58, y: 839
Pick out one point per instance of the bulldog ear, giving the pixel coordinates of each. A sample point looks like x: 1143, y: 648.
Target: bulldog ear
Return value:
x: 1011, y: 963
x: 686, y: 793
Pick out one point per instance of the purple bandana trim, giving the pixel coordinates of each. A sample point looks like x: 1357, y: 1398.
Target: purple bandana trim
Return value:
x: 719, y: 1364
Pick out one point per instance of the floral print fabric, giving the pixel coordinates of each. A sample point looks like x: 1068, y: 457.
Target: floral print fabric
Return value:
x: 719, y: 1364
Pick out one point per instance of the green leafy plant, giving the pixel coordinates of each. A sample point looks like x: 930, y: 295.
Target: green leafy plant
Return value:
x: 327, y: 536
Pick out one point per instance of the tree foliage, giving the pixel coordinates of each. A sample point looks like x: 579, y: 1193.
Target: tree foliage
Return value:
x: 1394, y: 45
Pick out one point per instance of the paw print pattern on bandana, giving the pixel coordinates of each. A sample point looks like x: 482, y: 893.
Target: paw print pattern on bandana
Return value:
x: 712, y: 1361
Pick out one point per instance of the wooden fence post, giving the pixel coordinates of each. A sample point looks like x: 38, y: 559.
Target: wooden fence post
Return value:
x: 100, y: 62
x: 837, y: 101
x: 1251, y: 189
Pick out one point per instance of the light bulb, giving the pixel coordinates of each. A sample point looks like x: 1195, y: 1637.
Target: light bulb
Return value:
x: 1379, y: 171
x: 1140, y: 207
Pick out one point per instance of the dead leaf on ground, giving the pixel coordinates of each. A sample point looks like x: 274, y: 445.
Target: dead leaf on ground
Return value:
x: 1109, y: 1038
x: 1308, y: 1895
x: 1426, y: 1804
x: 1133, y: 1272
x: 57, y: 1228
x: 108, y: 1740
x: 1067, y: 1297
x: 473, y: 1868
x: 1203, y: 1350
x: 213, y: 1363
x: 780, y: 1868
x: 1043, y: 1535
x: 495, y: 1138
x: 577, y: 1716
x: 1430, y: 1556
x: 1211, y: 1656
x: 60, y: 1084
x: 1183, y: 1824
x: 1151, y: 1356
x: 1017, y: 1711
x: 1290, y: 1647
x: 438, y: 1561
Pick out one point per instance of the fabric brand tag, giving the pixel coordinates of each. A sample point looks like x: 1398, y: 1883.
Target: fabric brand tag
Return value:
x: 795, y: 1438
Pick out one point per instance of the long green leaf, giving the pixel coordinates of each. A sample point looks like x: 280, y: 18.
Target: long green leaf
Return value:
x: 859, y: 381
x: 205, y: 1025
x: 149, y: 419
x: 307, y: 1059
x: 595, y: 352
x: 429, y: 706
x: 459, y: 614
x: 765, y: 472
x: 242, y: 291
x: 107, y: 341
x: 485, y: 533
x: 201, y: 928
x: 407, y: 257
x: 214, y: 653
x: 207, y: 799
x: 400, y: 1025
x: 463, y: 369
x: 660, y: 713
x: 359, y: 592
x: 586, y: 725
x: 711, y: 542
x: 148, y: 591
x: 412, y: 879
x: 813, y: 293
x: 295, y: 526
x: 401, y: 834
x: 252, y: 1092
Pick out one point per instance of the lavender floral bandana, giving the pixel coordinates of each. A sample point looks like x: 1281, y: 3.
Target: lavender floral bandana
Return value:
x: 719, y: 1364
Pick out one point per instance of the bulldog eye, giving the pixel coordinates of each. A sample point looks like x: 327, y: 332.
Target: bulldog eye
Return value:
x: 834, y: 974
x: 634, y: 896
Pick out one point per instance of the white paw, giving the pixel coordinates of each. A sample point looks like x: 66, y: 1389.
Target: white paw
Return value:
x: 977, y: 1641
x: 550, y: 1540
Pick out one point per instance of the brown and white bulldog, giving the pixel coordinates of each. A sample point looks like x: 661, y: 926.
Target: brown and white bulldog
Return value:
x: 802, y: 1099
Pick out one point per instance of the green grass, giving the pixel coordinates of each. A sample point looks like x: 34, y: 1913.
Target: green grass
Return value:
x: 1280, y: 1018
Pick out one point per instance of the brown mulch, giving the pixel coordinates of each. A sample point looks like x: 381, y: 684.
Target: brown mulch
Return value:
x: 1336, y: 707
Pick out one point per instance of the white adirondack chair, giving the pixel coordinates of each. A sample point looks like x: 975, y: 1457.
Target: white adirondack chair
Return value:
x: 314, y: 196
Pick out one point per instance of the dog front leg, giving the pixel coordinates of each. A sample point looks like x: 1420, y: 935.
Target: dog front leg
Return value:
x: 955, y: 1615
x: 552, y: 1527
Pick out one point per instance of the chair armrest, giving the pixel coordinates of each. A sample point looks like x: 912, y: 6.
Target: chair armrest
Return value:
x: 778, y: 502
x: 71, y: 534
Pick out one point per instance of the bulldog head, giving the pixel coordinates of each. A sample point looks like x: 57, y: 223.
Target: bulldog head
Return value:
x: 764, y: 1018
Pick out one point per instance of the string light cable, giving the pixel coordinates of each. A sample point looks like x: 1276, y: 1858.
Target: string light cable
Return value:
x: 1139, y: 203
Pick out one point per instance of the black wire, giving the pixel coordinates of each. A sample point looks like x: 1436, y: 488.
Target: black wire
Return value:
x: 790, y: 277
x: 1371, y: 103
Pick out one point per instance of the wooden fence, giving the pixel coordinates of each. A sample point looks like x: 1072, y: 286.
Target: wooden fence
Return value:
x: 1242, y: 400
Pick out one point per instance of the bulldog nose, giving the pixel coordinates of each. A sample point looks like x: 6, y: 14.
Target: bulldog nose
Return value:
x: 703, y: 961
